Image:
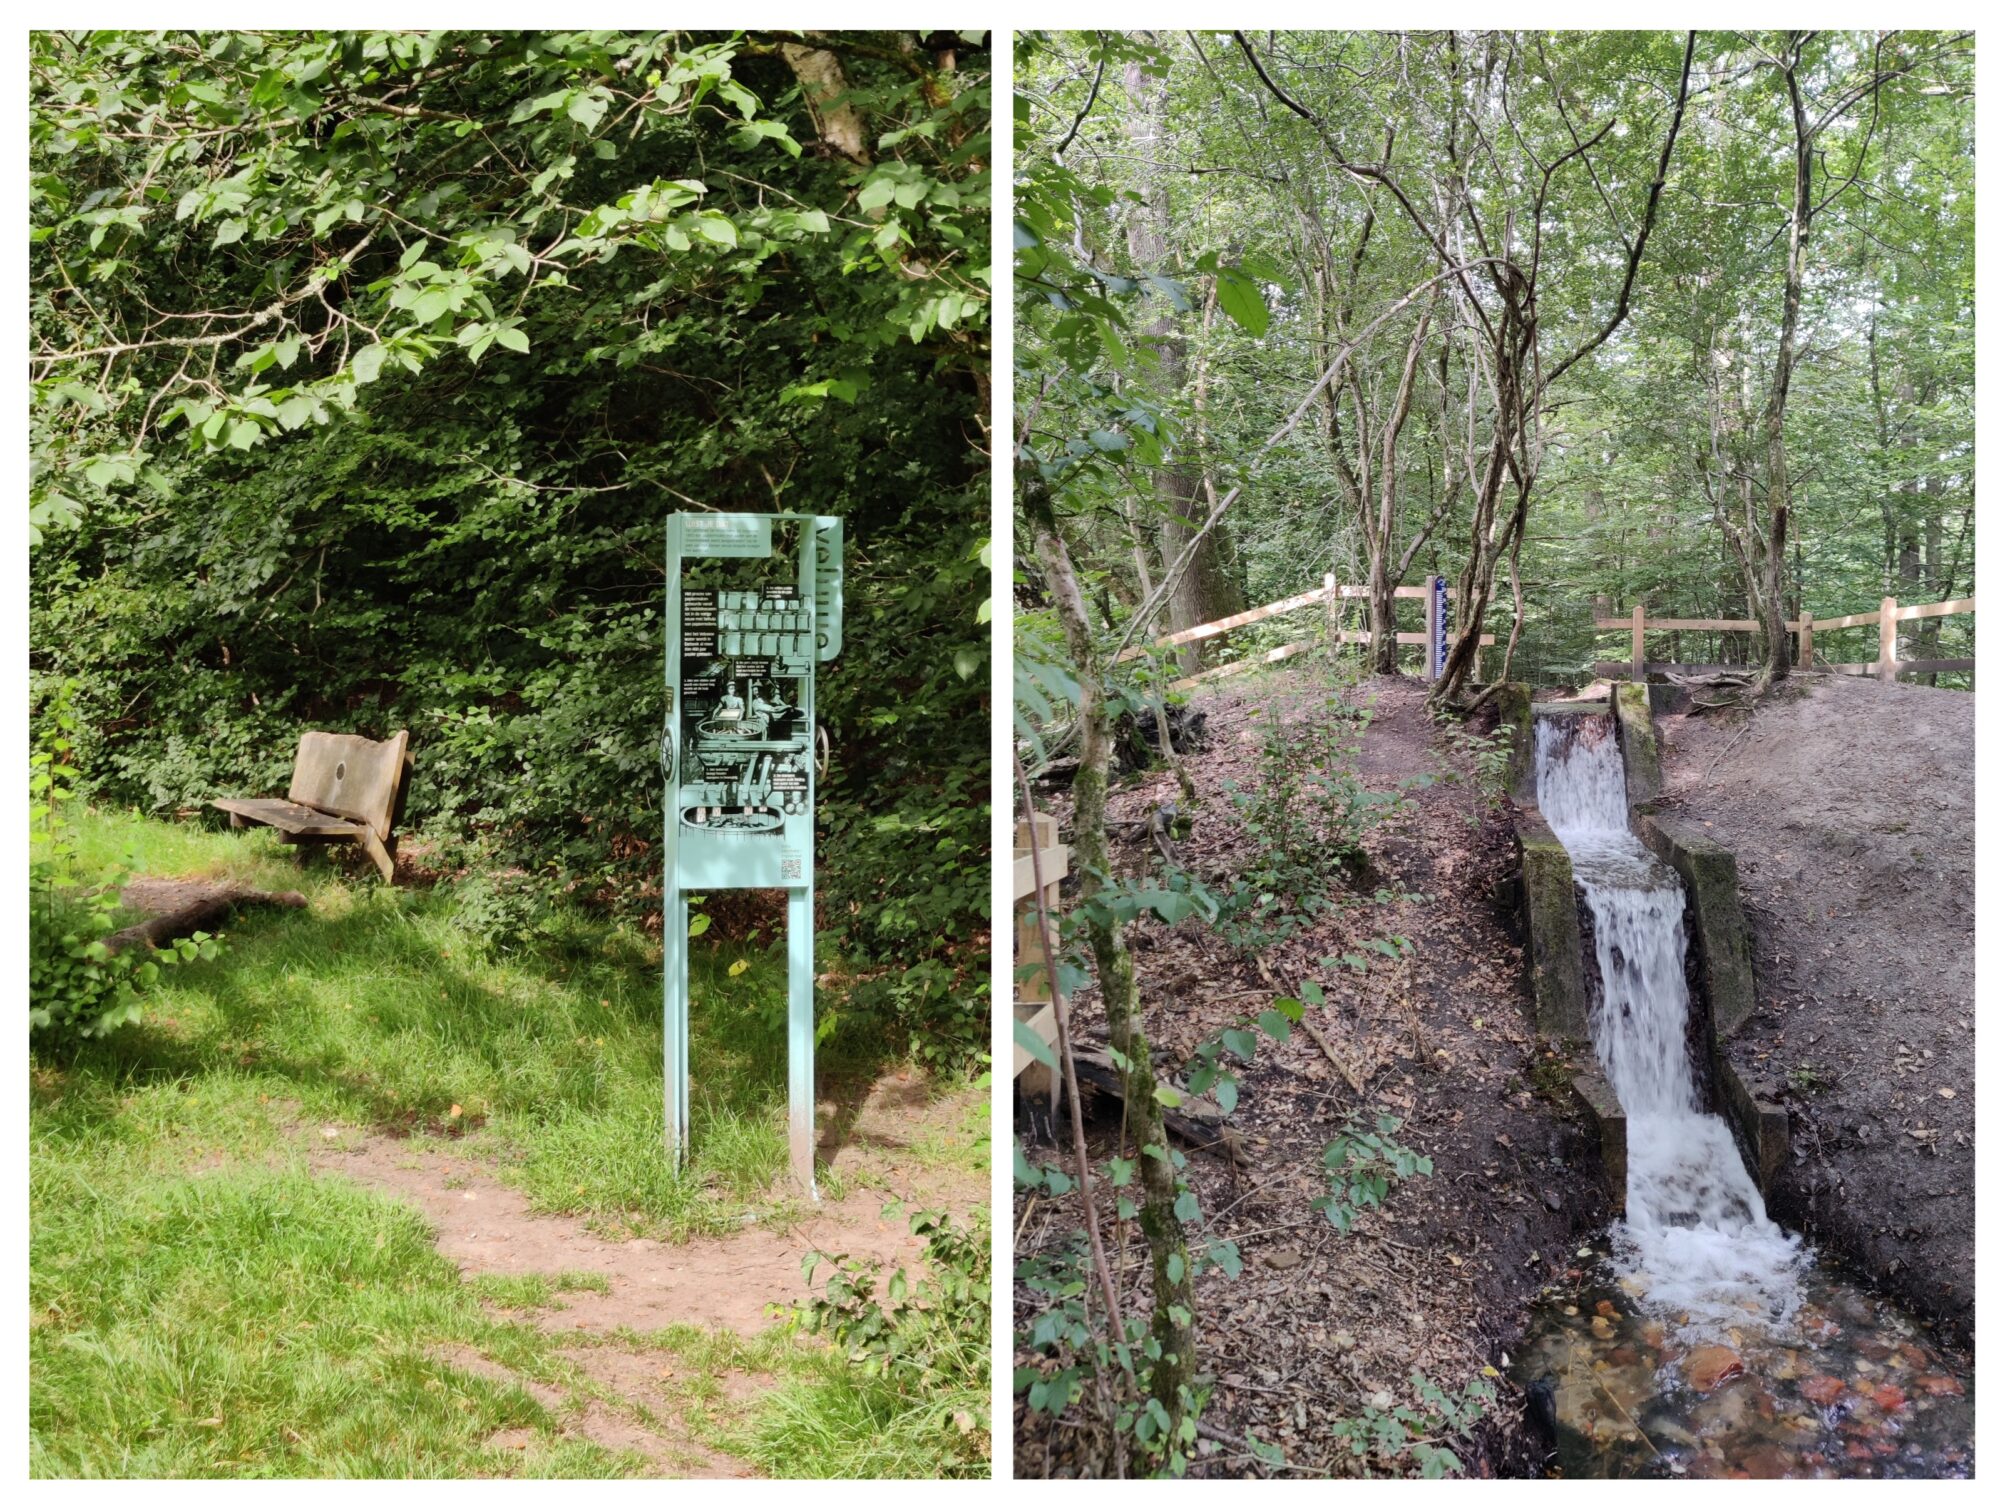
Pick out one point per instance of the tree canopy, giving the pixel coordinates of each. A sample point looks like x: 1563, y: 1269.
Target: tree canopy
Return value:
x: 366, y: 367
x: 1594, y: 310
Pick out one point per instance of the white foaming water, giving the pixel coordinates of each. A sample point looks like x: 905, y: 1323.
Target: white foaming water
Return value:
x: 1695, y: 1231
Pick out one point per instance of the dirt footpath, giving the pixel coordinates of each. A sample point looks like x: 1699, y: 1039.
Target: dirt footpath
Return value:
x: 1849, y: 805
x: 620, y: 1298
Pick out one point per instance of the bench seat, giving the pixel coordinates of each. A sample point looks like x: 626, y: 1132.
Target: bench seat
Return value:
x: 344, y: 787
x: 293, y: 818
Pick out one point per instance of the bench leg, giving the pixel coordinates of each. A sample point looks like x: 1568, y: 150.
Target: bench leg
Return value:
x: 384, y: 862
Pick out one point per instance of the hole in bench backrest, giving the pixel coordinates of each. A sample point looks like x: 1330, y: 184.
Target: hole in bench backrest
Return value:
x: 339, y: 771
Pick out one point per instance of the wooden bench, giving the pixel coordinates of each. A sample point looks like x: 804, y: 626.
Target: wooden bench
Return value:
x: 344, y: 787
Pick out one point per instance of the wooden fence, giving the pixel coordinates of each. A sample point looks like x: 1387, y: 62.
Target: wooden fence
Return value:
x: 1330, y: 593
x: 1034, y: 1002
x: 1887, y: 666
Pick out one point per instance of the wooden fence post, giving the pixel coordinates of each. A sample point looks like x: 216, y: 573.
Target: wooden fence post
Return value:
x: 1805, y: 638
x: 1037, y: 1081
x: 1885, y: 651
x: 1638, y: 643
x: 1332, y: 617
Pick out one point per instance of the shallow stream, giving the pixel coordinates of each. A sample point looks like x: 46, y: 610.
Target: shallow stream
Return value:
x: 1699, y: 1337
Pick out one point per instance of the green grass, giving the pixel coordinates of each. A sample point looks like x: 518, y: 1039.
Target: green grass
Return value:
x: 375, y: 1006
x: 200, y: 1304
x: 536, y: 1290
x: 828, y: 1421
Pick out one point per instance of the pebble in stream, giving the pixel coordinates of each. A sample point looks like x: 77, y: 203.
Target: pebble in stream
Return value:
x: 1849, y: 1388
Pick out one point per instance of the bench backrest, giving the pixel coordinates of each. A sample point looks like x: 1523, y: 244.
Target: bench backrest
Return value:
x: 352, y: 777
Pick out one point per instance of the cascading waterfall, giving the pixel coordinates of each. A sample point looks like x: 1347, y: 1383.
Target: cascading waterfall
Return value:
x: 1696, y: 1237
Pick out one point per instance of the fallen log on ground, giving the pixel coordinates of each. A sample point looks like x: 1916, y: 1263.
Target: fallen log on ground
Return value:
x: 180, y: 908
x: 1198, y: 1123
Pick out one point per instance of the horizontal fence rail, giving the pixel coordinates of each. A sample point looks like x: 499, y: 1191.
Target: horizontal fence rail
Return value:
x: 1887, y: 666
x: 1330, y: 594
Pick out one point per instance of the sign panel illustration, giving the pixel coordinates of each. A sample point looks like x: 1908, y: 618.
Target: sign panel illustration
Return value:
x: 738, y: 753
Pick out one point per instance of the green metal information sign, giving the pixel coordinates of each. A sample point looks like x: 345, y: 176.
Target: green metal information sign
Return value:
x: 738, y: 753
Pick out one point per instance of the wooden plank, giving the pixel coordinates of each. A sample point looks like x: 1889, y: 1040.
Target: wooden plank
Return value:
x: 1418, y: 639
x: 1940, y: 607
x: 1055, y: 866
x: 351, y: 776
x: 1622, y: 669
x: 1624, y: 623
x: 293, y: 818
x: 1903, y: 668
x: 1041, y: 1020
x: 1226, y: 623
x: 1842, y: 622
x: 1702, y: 625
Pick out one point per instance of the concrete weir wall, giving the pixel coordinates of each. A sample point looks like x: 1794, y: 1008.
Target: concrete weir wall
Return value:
x: 1563, y: 976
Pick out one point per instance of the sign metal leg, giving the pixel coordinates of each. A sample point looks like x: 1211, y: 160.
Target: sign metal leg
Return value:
x: 673, y: 944
x: 799, y: 948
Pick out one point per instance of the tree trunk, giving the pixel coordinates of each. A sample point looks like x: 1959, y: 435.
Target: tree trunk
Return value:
x: 1173, y: 1370
x: 824, y: 84
x: 1203, y: 591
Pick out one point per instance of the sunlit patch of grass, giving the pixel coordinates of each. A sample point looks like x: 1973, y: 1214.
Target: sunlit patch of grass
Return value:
x: 254, y: 1323
x: 373, y: 1006
x: 536, y: 1290
x: 829, y: 1420
x: 203, y: 1305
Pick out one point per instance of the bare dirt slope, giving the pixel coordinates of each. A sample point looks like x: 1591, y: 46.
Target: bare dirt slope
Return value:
x: 1849, y: 806
x: 1322, y: 1327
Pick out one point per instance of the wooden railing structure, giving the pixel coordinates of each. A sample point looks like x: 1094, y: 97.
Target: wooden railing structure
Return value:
x: 1034, y: 1001
x: 1330, y: 593
x: 1887, y: 666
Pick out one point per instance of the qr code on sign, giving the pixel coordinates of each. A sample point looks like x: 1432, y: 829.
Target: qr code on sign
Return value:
x: 790, y: 868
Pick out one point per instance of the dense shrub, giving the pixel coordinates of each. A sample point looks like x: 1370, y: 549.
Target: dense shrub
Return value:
x: 474, y: 551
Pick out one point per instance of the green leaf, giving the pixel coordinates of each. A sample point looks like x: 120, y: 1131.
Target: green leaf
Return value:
x: 713, y: 227
x: 1025, y: 1173
x: 367, y: 365
x: 1030, y: 1040
x: 1225, y: 1093
x: 1242, y: 301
